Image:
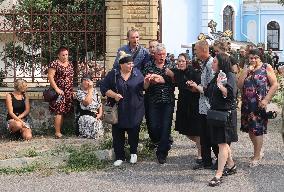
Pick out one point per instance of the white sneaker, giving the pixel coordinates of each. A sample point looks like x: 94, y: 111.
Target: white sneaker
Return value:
x: 117, y: 163
x: 133, y: 158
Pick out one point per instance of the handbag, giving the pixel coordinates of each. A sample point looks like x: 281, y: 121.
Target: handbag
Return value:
x: 49, y: 94
x: 218, y: 118
x: 110, y: 112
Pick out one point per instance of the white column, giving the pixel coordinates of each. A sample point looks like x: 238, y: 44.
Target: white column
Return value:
x: 207, y: 11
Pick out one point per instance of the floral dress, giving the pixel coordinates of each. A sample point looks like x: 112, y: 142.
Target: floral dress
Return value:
x: 64, y: 80
x: 255, y: 88
x: 89, y: 126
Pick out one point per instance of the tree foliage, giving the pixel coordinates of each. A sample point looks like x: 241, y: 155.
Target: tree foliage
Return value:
x: 41, y: 26
x: 281, y: 2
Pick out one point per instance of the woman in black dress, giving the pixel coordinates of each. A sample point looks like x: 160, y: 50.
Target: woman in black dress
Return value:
x: 187, y: 114
x: 222, y: 97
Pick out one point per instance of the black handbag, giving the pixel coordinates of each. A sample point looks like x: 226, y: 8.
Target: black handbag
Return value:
x: 49, y: 94
x: 218, y: 118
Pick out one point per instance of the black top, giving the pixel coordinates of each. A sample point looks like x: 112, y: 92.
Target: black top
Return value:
x: 131, y: 106
x: 19, y: 106
x: 216, y: 99
x: 161, y: 92
x: 181, y: 77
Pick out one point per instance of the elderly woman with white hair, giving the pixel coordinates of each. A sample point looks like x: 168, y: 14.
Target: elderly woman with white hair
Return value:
x: 125, y: 87
x: 18, y: 107
x: 160, y: 90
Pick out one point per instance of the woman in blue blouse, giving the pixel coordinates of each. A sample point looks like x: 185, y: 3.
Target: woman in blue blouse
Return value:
x: 125, y: 86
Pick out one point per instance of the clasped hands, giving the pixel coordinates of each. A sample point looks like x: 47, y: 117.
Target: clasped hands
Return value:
x: 154, y: 78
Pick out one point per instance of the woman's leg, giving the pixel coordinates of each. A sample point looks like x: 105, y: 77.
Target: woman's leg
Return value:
x: 257, y: 142
x: 230, y: 161
x: 58, y: 120
x: 118, y: 138
x: 133, y: 139
x: 196, y: 139
x: 15, y: 126
x: 27, y: 134
x: 222, y: 158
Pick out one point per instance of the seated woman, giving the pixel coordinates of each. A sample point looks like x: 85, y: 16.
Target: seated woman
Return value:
x: 90, y: 125
x: 18, y: 107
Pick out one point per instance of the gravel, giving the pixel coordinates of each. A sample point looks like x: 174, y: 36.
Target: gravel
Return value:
x: 175, y: 175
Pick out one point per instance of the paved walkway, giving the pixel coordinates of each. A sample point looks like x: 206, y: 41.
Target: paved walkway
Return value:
x: 176, y: 175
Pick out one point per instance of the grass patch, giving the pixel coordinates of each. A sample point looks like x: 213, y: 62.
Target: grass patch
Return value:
x: 105, y: 144
x: 9, y: 170
x: 278, y: 98
x: 31, y: 153
x: 84, y: 159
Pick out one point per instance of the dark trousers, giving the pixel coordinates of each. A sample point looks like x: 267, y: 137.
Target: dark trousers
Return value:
x: 146, y: 105
x: 160, y: 119
x: 118, y: 136
x: 205, y: 141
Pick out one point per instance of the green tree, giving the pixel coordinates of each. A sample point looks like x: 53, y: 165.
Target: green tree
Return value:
x: 281, y: 2
x: 41, y: 26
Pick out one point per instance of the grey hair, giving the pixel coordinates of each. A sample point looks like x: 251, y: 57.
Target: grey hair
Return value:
x: 160, y: 47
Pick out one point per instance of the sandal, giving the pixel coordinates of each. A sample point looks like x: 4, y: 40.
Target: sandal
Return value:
x: 215, y: 182
x: 230, y: 171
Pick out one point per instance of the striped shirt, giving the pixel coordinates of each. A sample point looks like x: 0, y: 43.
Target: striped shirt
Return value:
x: 161, y: 92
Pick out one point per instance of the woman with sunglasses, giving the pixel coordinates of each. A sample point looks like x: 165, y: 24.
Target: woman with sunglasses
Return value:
x: 258, y: 84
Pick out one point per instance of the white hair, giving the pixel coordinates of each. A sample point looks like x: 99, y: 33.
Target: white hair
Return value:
x: 160, y: 47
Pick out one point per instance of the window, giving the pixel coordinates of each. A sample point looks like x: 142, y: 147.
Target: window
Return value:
x: 273, y: 35
x: 228, y: 15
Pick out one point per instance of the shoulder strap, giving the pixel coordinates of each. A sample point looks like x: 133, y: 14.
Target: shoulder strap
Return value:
x: 115, y: 80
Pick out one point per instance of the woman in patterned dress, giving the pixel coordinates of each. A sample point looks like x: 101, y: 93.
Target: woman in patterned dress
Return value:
x: 60, y: 76
x: 90, y: 125
x: 254, y: 82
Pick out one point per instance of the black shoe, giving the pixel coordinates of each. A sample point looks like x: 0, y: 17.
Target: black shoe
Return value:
x: 215, y: 182
x: 198, y: 161
x: 161, y: 159
x: 201, y: 166
x: 230, y: 171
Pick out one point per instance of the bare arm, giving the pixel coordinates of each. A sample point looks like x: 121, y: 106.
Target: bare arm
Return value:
x: 273, y: 83
x: 114, y: 95
x: 51, y: 74
x: 27, y: 110
x: 100, y: 112
x: 242, y: 78
x: 89, y: 98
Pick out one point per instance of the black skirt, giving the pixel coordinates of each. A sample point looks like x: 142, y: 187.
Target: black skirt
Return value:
x: 187, y: 114
x: 227, y: 134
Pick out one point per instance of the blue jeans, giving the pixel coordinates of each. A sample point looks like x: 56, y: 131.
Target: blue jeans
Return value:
x: 160, y: 121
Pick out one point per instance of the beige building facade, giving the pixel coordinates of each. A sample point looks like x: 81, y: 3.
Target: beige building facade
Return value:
x: 121, y: 16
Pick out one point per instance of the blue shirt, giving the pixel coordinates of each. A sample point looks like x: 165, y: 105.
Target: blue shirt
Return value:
x: 131, y: 107
x: 140, y: 60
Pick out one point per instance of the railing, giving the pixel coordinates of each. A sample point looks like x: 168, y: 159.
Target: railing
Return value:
x: 31, y: 32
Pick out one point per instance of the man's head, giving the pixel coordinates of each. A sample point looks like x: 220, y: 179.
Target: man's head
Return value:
x: 133, y: 37
x: 201, y: 49
x: 270, y: 51
x: 152, y: 46
x: 160, y: 54
x: 242, y: 51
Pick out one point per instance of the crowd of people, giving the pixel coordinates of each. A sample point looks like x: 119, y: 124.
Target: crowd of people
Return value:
x: 142, y: 84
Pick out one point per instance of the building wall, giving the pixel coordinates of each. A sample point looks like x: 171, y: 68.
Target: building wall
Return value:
x: 183, y: 20
x: 181, y: 24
